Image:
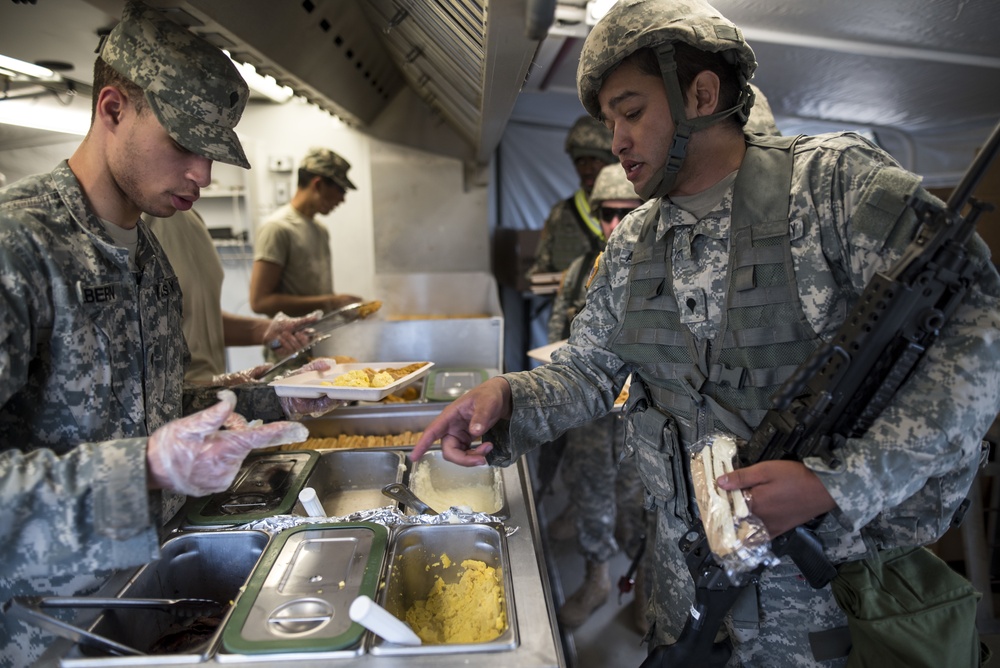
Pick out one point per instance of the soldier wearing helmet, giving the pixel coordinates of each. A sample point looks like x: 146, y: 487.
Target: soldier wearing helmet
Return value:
x: 602, y: 495
x: 571, y: 228
x: 611, y: 199
x: 711, y: 295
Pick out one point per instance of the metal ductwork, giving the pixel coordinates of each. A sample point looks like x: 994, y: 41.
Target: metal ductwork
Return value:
x: 439, y: 75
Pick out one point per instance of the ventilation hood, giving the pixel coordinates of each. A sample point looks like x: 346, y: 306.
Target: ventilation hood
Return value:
x: 439, y: 75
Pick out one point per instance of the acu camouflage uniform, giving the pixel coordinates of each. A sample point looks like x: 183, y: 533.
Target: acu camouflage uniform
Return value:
x: 603, y: 483
x: 93, y: 354
x: 899, y: 484
x: 717, y: 324
x: 570, y: 230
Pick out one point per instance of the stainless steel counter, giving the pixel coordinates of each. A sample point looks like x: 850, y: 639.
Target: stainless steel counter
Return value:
x: 538, y: 638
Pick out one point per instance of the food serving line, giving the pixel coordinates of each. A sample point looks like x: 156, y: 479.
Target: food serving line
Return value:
x: 288, y: 580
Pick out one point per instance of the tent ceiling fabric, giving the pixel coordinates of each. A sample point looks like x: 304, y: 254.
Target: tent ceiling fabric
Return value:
x: 921, y: 75
x: 913, y: 66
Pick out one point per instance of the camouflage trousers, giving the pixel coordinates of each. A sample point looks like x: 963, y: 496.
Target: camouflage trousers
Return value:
x: 789, y: 609
x: 604, y: 488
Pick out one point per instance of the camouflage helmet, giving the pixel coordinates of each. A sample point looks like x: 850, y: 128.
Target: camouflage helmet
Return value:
x: 589, y: 138
x: 610, y: 184
x: 632, y: 25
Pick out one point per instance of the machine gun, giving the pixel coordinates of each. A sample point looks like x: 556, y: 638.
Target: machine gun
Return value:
x: 838, y: 393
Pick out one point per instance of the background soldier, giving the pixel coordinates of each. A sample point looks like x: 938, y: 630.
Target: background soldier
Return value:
x: 571, y: 228
x: 605, y: 493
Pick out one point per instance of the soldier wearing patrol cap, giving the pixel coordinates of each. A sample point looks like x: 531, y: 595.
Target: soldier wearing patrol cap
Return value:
x: 711, y: 295
x: 195, y: 92
x: 293, y: 264
x: 92, y: 359
x: 571, y: 228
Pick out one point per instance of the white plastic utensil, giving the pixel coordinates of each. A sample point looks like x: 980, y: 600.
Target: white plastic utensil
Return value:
x: 381, y: 622
x: 311, y: 502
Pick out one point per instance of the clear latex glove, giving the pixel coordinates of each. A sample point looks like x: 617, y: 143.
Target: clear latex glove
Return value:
x: 285, y: 335
x: 297, y: 408
x: 240, y: 377
x: 195, y: 456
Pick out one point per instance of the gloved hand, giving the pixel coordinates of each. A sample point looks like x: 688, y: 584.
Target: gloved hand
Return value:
x: 240, y: 377
x: 285, y: 335
x: 296, y: 408
x: 194, y: 456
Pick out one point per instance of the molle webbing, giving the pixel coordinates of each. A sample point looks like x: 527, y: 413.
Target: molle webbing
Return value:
x: 726, y: 383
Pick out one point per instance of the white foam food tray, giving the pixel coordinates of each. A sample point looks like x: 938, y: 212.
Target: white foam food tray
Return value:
x: 315, y: 384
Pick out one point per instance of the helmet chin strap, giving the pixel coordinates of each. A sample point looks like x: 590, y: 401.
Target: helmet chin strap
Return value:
x: 665, y: 177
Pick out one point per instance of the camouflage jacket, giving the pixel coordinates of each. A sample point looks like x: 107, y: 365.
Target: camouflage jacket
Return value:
x: 923, y: 445
x: 571, y: 297
x: 563, y: 239
x: 92, y: 363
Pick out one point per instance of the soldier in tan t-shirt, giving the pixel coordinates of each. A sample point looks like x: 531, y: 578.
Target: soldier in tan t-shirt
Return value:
x: 292, y: 269
x: 208, y: 329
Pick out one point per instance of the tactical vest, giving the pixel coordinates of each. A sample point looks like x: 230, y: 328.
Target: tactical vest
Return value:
x: 724, y: 384
x: 577, y: 291
x: 571, y: 240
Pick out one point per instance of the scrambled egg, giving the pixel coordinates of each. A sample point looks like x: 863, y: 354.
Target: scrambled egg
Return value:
x: 381, y: 379
x: 356, y: 378
x: 468, y: 611
x: 362, y: 378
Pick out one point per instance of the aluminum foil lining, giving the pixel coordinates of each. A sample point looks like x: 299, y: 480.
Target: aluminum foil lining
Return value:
x: 389, y: 516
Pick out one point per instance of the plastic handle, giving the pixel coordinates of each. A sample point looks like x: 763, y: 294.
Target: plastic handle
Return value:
x: 309, y: 501
x: 381, y: 622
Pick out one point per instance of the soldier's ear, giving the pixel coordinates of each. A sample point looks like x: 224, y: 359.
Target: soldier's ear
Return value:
x: 704, y: 94
x: 110, y: 106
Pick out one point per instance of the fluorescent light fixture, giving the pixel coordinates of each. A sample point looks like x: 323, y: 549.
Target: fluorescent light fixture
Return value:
x: 265, y: 85
x: 21, y: 67
x: 32, y: 114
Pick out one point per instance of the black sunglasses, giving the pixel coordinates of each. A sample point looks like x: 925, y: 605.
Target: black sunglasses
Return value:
x: 608, y: 214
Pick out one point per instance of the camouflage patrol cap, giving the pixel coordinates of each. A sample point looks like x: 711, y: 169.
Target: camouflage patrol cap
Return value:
x: 195, y: 91
x: 631, y: 25
x: 324, y: 162
x: 611, y: 183
x: 761, y: 121
x: 589, y: 137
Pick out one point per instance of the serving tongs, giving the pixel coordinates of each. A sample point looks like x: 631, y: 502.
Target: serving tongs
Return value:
x: 29, y: 609
x: 322, y: 329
